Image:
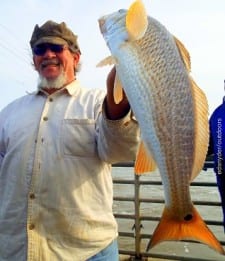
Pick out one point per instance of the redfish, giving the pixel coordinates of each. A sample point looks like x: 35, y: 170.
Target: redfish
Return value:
x: 153, y: 67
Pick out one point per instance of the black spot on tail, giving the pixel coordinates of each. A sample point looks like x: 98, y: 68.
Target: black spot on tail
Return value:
x: 188, y: 217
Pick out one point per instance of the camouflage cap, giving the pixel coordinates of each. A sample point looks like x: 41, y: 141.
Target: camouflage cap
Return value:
x: 52, y: 32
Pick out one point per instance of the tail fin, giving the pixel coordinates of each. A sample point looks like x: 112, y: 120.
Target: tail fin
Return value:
x: 170, y: 228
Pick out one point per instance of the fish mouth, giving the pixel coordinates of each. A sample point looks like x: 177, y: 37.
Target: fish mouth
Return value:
x: 101, y: 22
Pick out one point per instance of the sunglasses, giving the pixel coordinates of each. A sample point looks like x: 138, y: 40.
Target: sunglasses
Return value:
x: 40, y: 49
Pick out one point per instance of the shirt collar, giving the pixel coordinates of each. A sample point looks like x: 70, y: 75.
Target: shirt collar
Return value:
x: 72, y: 89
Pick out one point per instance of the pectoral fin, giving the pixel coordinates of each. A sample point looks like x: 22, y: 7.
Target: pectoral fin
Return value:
x: 110, y: 60
x: 144, y: 162
x: 118, y: 90
x: 136, y: 20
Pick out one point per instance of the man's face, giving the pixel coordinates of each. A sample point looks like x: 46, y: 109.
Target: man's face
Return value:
x: 52, y: 60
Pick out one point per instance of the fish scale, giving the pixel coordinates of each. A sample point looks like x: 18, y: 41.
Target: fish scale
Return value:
x: 153, y: 67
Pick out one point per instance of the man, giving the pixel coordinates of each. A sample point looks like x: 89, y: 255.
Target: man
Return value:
x: 56, y: 150
x: 217, y: 148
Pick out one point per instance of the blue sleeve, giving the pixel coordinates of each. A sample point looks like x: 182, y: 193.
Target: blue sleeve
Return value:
x: 217, y: 147
x: 217, y: 139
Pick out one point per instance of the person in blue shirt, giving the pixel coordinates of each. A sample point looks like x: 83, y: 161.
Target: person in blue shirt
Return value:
x: 217, y: 148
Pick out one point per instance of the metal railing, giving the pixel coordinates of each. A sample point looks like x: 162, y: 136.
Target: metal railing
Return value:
x: 137, y: 235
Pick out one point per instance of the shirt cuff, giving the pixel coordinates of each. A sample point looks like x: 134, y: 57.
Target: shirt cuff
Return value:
x: 123, y: 122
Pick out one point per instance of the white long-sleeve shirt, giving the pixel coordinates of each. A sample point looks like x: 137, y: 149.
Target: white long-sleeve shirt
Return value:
x: 55, y: 181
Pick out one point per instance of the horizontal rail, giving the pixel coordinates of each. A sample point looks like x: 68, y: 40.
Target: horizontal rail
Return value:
x: 158, y: 183
x: 148, y: 218
x: 208, y: 164
x: 162, y: 256
x: 162, y: 201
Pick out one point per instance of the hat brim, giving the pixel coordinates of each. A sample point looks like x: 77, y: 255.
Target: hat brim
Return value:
x: 52, y: 40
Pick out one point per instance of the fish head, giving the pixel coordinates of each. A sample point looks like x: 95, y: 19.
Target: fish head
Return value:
x: 124, y: 26
x: 113, y: 28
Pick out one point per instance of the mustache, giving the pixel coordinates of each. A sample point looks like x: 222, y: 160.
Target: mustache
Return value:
x: 53, y: 61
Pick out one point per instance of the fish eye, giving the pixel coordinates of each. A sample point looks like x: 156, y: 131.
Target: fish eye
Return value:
x: 121, y: 10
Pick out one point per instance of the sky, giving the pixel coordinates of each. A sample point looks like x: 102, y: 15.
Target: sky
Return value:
x: 199, y: 24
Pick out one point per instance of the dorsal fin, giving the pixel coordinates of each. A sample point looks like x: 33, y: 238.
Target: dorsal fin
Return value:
x: 184, y: 54
x: 201, y: 129
x: 136, y: 20
x: 201, y: 115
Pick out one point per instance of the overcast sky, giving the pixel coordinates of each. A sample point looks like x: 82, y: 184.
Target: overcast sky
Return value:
x: 199, y: 24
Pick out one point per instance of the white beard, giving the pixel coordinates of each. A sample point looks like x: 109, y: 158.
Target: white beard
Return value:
x: 56, y: 83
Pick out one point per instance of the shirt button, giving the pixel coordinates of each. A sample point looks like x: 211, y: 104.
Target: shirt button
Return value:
x: 50, y: 99
x: 31, y: 226
x: 45, y: 118
x: 126, y: 123
x: 32, y: 196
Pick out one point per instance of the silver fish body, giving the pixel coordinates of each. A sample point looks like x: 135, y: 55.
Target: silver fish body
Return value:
x: 163, y: 98
x: 158, y: 88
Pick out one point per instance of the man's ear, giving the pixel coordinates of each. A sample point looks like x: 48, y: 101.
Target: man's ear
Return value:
x: 76, y: 57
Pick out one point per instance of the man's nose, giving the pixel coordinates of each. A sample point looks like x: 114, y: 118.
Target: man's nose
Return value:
x: 49, y: 53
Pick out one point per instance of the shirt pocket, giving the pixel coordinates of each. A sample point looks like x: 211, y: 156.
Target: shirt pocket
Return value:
x: 78, y: 137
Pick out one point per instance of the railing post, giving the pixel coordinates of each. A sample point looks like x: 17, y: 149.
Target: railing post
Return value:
x: 137, y: 224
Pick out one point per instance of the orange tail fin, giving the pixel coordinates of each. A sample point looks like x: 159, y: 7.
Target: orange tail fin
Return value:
x: 170, y: 228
